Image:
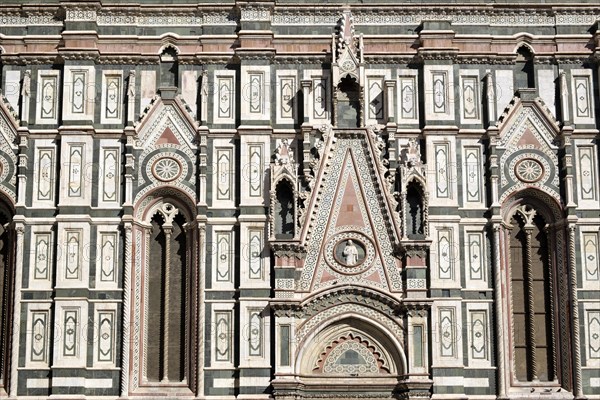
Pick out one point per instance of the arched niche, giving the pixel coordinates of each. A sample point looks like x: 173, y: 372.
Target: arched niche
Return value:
x: 169, y: 67
x: 284, y: 210
x: 415, y: 211
x: 348, y: 100
x: 525, y: 73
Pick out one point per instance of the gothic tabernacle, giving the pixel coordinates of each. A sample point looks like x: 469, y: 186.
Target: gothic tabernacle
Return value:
x: 295, y: 200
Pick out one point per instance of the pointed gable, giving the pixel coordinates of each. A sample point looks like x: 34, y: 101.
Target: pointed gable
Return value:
x: 350, y: 234
x: 8, y: 150
x: 527, y: 148
x: 167, y: 124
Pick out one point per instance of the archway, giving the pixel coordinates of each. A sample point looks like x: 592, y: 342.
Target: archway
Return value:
x: 351, y: 356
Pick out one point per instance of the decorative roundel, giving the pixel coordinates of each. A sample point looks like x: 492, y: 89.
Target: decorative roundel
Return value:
x: 166, y: 169
x: 529, y: 170
x: 349, y: 252
x: 348, y: 65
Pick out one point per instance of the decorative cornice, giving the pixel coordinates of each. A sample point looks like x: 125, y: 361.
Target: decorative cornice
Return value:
x: 488, y: 15
x: 402, y: 59
x: 302, y: 59
x: 129, y: 59
x: 216, y: 59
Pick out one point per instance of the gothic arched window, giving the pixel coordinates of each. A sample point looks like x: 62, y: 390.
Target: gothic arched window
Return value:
x: 531, y: 272
x: 164, y: 310
x: 165, y: 361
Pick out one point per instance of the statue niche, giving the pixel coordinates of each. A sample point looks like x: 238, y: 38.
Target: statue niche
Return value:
x: 348, y: 103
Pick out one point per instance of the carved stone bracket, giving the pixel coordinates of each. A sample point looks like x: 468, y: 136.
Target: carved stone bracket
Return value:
x: 288, y: 249
x: 415, y: 248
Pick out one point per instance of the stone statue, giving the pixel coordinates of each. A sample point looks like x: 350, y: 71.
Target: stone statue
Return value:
x: 26, y: 90
x: 131, y: 86
x: 413, y: 155
x: 284, y: 154
x: 350, y: 253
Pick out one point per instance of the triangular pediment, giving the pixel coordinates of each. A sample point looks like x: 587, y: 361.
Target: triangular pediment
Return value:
x: 532, y: 112
x: 527, y: 147
x: 351, y: 235
x: 166, y: 142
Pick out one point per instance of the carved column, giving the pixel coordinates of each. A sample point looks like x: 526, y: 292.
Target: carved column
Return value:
x: 499, y: 313
x: 334, y: 116
x: 201, y: 317
x: 168, y: 230
x: 16, y: 321
x: 404, y: 208
x: 126, y: 310
x: 390, y: 86
x: 531, y: 342
x: 306, y: 85
x: 129, y: 167
x: 362, y: 111
x: 22, y: 166
x: 577, y: 385
x: 551, y: 244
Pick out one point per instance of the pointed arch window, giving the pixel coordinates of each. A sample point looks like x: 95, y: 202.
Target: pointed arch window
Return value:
x: 165, y: 299
x: 532, y: 272
x: 165, y: 360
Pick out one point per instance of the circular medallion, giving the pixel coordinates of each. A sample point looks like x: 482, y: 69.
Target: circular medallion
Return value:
x: 348, y: 65
x: 349, y: 253
x: 529, y: 170
x: 166, y: 169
